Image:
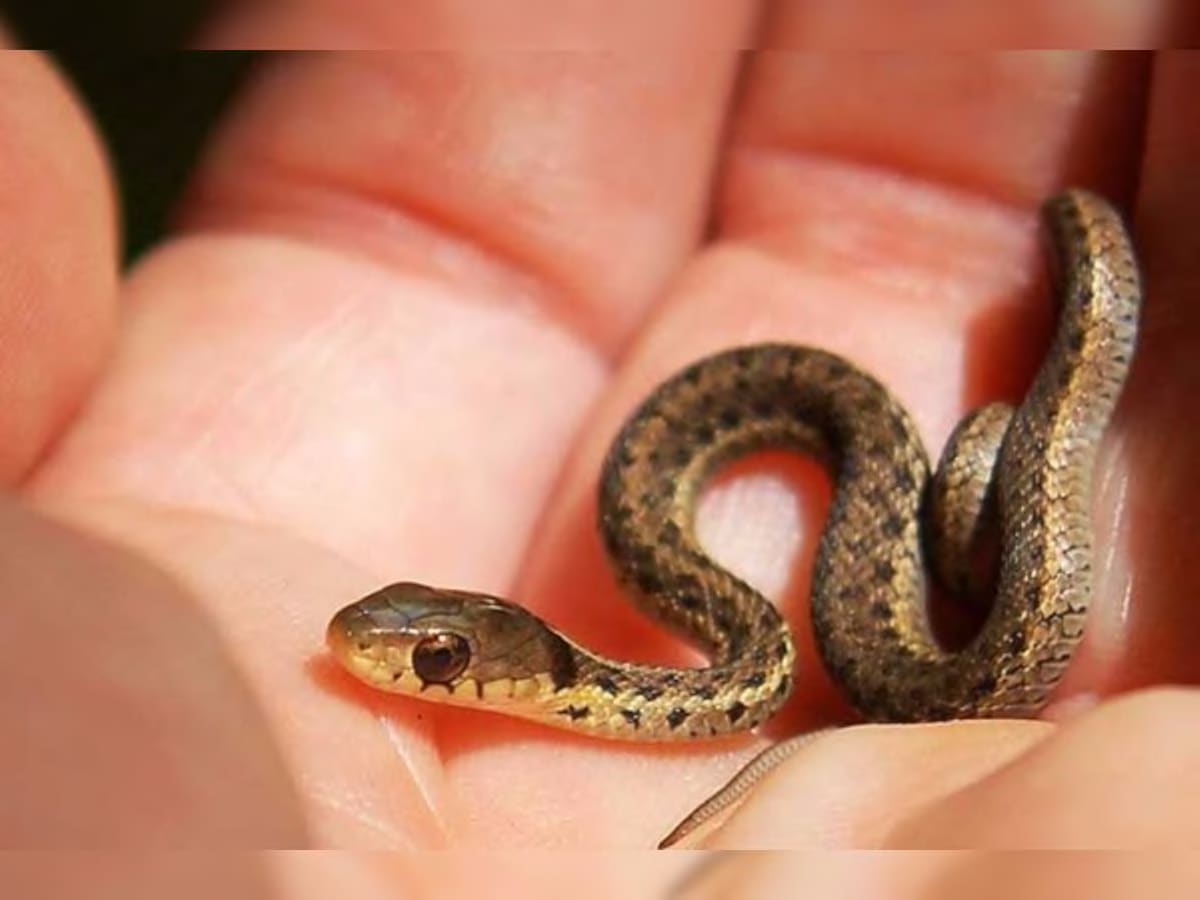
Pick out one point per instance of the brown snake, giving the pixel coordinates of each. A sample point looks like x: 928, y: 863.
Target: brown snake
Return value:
x: 1025, y: 473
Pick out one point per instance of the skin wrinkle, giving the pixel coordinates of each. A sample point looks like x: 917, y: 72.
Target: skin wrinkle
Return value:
x: 459, y: 127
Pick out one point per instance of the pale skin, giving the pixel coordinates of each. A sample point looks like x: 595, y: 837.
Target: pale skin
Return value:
x: 408, y: 302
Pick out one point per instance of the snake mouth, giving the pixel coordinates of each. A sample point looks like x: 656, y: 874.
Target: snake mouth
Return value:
x: 346, y: 634
x: 367, y: 648
x: 356, y: 642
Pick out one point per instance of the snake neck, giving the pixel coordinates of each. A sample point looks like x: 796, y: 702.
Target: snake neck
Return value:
x: 627, y: 701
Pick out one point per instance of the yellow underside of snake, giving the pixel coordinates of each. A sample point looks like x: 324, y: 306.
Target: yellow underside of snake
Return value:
x: 1021, y: 476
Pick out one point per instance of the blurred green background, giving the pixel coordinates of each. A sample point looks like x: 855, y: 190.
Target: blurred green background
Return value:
x: 153, y: 104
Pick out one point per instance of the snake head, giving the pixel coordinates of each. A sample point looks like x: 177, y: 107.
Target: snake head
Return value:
x: 471, y: 649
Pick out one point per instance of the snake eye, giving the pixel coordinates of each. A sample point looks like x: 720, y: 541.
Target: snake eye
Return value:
x: 441, y: 658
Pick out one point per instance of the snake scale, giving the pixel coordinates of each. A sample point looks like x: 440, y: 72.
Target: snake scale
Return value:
x: 1021, y: 474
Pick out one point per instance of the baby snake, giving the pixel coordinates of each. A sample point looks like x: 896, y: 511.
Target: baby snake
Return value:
x: 1024, y: 473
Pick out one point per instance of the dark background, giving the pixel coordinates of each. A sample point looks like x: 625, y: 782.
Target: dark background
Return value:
x: 153, y: 104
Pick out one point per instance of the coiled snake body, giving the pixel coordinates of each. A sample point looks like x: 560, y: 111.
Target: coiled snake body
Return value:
x: 1028, y: 469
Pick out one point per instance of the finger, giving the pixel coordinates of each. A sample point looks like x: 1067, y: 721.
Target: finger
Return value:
x: 913, y: 180
x: 127, y: 724
x: 944, y: 876
x: 852, y: 788
x: 530, y: 874
x: 371, y: 344
x: 58, y: 270
x: 1153, y: 495
x: 138, y: 875
x: 878, y: 24
x: 528, y: 26
x: 984, y: 785
x: 1120, y: 776
x: 846, y: 225
x: 576, y: 181
x: 416, y: 287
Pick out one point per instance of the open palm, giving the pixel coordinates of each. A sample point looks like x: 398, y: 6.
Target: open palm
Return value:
x: 408, y: 303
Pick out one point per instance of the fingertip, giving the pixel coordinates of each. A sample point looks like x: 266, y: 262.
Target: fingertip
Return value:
x: 58, y: 274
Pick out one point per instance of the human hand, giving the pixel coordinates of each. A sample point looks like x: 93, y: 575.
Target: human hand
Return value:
x: 408, y: 304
